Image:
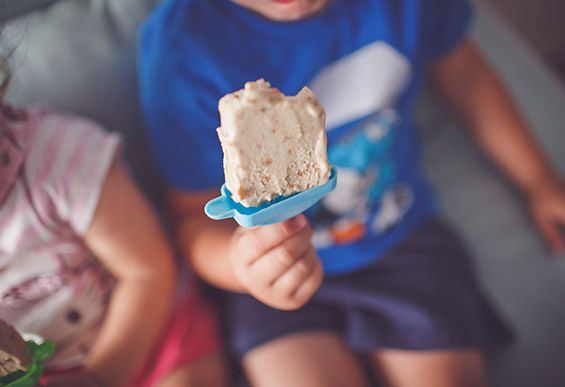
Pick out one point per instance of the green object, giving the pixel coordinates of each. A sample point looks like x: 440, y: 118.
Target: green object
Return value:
x: 39, y: 355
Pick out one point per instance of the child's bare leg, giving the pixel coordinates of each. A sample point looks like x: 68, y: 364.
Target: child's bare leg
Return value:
x: 430, y: 368
x: 311, y: 359
x: 207, y: 372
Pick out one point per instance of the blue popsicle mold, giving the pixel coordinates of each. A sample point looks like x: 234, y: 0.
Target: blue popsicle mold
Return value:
x: 275, y: 211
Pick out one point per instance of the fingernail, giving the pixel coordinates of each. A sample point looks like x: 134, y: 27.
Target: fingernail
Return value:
x: 298, y: 221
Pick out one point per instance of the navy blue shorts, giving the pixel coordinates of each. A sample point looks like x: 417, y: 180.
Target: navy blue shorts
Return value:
x: 423, y: 295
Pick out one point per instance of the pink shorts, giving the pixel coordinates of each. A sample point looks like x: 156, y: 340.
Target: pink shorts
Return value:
x: 190, y: 334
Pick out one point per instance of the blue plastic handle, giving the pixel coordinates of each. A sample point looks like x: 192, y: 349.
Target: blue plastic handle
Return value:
x: 275, y: 211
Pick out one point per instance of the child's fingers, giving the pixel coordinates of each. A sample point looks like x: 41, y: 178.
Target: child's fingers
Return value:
x: 311, y: 284
x: 270, y: 266
x: 552, y: 233
x: 257, y: 241
x: 559, y: 229
x: 288, y: 283
x: 558, y: 226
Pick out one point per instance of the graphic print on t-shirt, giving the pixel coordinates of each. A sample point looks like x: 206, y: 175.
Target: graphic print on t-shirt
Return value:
x: 368, y: 198
x: 361, y: 83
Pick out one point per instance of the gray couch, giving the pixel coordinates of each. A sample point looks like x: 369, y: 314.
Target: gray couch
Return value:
x: 80, y: 55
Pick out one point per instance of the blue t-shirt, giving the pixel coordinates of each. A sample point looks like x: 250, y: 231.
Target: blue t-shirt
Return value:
x: 366, y: 60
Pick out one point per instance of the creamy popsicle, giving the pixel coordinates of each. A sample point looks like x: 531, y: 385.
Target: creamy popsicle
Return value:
x: 273, y: 145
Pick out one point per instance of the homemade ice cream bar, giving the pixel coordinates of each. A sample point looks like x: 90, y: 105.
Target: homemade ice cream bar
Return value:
x: 14, y: 352
x: 273, y: 145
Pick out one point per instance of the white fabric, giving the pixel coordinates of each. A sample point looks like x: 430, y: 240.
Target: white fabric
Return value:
x: 361, y: 83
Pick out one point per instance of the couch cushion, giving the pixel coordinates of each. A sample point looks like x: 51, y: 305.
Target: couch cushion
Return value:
x: 14, y: 8
x: 80, y: 56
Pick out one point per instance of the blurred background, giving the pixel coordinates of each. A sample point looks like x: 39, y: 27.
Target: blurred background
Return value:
x: 540, y: 23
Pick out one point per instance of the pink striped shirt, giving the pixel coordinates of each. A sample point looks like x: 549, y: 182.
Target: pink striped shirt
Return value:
x: 52, y: 170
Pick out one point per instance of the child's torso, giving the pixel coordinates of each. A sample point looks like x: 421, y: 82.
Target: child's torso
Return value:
x: 366, y: 60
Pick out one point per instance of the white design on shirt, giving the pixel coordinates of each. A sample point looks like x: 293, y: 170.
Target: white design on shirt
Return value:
x: 361, y: 83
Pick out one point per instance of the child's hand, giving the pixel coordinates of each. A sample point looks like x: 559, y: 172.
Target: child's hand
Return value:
x: 277, y: 264
x: 547, y: 205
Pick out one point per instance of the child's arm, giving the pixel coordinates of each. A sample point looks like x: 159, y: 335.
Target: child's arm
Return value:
x: 126, y: 237
x: 276, y: 264
x: 477, y: 93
